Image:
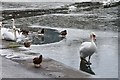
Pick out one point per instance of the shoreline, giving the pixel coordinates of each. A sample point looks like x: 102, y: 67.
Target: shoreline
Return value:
x: 49, y: 69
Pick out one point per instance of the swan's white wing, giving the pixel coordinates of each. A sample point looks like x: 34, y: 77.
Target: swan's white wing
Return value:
x: 84, y: 49
x: 20, y: 38
x: 85, y: 45
x: 3, y: 30
x: 9, y: 36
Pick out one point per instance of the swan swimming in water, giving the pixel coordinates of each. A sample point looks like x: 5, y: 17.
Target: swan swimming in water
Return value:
x: 88, y: 48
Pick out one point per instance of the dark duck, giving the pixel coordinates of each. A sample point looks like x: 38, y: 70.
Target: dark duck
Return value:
x: 27, y: 43
x: 63, y: 33
x: 41, y: 32
x: 24, y: 32
x: 37, y: 61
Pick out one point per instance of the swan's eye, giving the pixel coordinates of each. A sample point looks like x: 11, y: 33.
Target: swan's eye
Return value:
x: 94, y: 35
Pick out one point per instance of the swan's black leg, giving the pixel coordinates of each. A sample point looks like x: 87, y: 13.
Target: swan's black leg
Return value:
x: 89, y: 60
x: 84, y: 60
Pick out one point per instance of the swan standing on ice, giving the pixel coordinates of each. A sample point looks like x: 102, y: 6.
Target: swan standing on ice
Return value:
x: 13, y: 34
x: 88, y: 48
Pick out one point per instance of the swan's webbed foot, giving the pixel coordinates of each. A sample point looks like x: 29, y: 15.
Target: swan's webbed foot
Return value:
x: 89, y: 63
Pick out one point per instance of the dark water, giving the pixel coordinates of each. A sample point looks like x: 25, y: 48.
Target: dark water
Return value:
x: 50, y: 36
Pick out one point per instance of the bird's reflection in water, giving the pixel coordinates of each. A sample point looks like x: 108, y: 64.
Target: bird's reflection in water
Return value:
x: 49, y: 36
x: 85, y: 67
x: 38, y: 40
x: 42, y: 38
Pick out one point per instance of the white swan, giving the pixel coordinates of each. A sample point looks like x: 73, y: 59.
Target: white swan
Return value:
x: 3, y: 30
x: 11, y: 34
x: 88, y: 48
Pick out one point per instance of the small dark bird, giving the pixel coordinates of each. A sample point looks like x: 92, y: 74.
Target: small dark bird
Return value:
x: 27, y: 43
x: 24, y: 32
x: 63, y: 33
x: 41, y: 32
x: 37, y: 61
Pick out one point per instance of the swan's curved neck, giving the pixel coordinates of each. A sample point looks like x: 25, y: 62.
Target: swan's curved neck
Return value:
x: 92, y: 39
x: 15, y: 34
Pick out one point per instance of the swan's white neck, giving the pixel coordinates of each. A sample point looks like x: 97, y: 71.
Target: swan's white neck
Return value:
x: 1, y: 24
x: 93, y: 44
x: 92, y: 40
x: 14, y: 28
x: 13, y: 23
